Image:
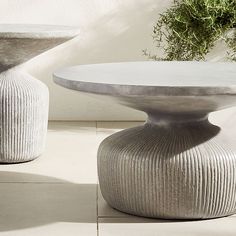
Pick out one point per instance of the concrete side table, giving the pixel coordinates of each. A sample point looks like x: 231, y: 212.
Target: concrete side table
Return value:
x: 23, y: 99
x: 177, y: 165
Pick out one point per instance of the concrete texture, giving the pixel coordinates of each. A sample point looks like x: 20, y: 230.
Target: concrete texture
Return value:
x: 20, y: 43
x: 23, y: 116
x: 153, y: 87
x: 177, y: 165
x: 23, y: 99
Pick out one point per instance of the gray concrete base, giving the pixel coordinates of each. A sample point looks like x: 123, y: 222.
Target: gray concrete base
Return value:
x: 24, y: 100
x: 24, y: 105
x: 172, y: 170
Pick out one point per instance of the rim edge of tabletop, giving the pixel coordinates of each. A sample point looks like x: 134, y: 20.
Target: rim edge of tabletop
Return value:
x: 143, y: 90
x: 60, y: 31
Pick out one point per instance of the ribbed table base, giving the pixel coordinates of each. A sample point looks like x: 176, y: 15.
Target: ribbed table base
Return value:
x: 178, y: 171
x: 24, y: 104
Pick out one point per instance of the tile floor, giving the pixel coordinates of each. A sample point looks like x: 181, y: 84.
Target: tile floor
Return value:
x: 57, y: 194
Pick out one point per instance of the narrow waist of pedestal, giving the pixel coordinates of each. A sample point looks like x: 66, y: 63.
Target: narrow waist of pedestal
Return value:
x: 167, y: 119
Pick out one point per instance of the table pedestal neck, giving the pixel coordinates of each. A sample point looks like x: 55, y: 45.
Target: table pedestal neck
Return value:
x: 173, y: 167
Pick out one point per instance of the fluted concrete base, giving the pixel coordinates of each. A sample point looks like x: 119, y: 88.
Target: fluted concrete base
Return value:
x: 23, y: 116
x: 173, y: 171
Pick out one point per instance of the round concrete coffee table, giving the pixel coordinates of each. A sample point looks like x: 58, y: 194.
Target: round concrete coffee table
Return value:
x: 177, y: 165
x: 24, y: 99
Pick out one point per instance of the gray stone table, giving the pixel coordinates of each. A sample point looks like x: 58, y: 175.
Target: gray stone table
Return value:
x: 24, y: 99
x: 177, y: 165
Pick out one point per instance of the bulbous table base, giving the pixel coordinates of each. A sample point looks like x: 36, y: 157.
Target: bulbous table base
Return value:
x: 173, y: 171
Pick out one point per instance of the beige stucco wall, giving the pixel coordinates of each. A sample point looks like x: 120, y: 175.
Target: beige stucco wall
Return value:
x: 111, y: 31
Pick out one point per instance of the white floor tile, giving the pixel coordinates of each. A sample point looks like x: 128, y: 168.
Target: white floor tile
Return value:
x: 56, y: 229
x: 48, y: 209
x: 70, y: 155
x: 136, y: 226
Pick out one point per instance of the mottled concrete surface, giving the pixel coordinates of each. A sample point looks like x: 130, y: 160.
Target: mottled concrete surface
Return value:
x: 177, y: 165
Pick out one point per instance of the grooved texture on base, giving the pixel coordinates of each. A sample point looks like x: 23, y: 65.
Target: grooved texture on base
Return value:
x: 23, y: 116
x: 180, y: 172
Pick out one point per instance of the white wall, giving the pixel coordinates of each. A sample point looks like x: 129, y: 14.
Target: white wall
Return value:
x: 111, y: 30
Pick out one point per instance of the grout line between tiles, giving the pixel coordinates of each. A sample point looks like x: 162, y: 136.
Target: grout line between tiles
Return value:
x: 97, y: 209
x: 96, y: 125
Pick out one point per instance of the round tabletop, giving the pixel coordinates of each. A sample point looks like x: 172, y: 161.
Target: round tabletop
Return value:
x: 150, y: 78
x: 37, y: 31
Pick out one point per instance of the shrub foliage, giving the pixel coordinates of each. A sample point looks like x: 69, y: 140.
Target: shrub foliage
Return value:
x: 189, y: 29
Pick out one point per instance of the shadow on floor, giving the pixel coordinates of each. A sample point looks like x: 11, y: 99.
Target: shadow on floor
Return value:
x: 27, y: 204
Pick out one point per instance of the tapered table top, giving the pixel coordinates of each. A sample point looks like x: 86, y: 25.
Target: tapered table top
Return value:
x: 19, y: 42
x: 146, y: 78
x: 157, y: 87
x: 37, y: 31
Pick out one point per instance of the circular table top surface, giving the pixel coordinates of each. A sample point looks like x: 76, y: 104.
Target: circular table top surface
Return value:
x: 37, y: 31
x: 151, y: 78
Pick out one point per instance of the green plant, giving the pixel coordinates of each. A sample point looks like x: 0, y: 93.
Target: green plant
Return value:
x: 189, y: 29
